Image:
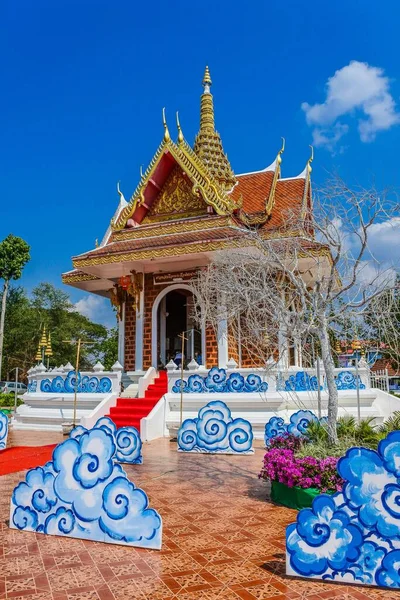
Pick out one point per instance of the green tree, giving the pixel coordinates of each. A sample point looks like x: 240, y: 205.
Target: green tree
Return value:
x: 14, y: 254
x: 109, y: 348
x: 50, y: 307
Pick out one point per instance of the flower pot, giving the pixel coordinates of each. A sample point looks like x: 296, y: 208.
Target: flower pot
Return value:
x: 293, y: 497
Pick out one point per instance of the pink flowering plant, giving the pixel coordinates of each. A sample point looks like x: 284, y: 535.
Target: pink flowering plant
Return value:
x: 281, y: 464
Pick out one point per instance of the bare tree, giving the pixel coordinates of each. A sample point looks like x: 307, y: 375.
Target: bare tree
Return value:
x: 316, y: 278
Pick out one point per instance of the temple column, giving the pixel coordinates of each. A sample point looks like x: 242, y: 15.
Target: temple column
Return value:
x: 121, y: 336
x: 139, y: 330
x: 163, y: 330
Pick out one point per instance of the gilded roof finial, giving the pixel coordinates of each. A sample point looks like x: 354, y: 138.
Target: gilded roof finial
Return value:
x: 207, y: 81
x: 279, y: 157
x: 208, y: 145
x: 118, y: 190
x: 180, y: 134
x: 310, y: 159
x: 167, y: 137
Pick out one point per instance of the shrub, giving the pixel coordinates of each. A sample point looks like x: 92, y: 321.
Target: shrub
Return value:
x: 7, y: 400
x: 284, y: 466
x: 391, y: 424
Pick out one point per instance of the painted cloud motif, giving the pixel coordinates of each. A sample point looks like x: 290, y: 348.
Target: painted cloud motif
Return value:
x: 128, y: 445
x: 217, y: 381
x: 3, y: 430
x: 84, y: 493
x: 353, y: 535
x: 297, y: 425
x: 214, y: 431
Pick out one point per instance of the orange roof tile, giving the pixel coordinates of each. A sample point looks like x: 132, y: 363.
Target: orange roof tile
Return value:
x: 288, y: 197
x: 254, y: 189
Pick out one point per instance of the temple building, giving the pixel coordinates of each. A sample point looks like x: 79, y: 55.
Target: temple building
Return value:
x: 188, y: 205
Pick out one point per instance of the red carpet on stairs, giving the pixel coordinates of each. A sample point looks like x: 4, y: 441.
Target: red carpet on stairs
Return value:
x: 129, y: 411
x: 20, y: 458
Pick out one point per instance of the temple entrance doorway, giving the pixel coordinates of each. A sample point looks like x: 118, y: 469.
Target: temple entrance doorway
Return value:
x: 174, y: 316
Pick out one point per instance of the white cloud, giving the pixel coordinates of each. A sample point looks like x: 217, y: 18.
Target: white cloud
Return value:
x: 96, y: 309
x: 374, y: 277
x: 356, y: 89
x: 384, y: 241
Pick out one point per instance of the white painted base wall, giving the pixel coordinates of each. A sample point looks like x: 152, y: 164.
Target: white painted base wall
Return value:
x: 164, y: 420
x: 44, y: 412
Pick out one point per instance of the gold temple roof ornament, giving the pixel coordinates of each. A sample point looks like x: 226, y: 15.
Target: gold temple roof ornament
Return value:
x: 208, y: 144
x: 189, y: 201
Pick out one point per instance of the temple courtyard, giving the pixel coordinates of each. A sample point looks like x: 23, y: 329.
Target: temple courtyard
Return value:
x: 222, y: 539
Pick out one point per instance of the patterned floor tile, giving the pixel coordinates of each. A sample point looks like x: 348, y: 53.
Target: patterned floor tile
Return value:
x: 222, y: 540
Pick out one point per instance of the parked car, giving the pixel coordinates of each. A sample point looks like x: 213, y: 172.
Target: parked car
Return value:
x: 7, y: 387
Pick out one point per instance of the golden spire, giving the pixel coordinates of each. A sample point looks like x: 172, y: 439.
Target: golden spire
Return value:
x: 49, y: 350
x: 207, y: 105
x: 207, y: 77
x: 208, y: 145
x: 180, y: 134
x: 43, y: 341
x: 167, y: 137
x: 38, y: 356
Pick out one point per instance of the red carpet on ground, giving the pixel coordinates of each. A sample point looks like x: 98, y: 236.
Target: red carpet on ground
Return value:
x: 20, y: 458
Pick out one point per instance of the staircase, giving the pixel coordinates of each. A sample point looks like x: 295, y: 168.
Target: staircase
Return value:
x: 129, y: 411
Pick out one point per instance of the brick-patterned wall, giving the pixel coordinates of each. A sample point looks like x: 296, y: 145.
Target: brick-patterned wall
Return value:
x: 211, y: 358
x: 130, y: 337
x: 151, y: 292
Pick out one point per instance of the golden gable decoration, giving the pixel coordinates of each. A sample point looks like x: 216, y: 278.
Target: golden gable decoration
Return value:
x: 176, y: 198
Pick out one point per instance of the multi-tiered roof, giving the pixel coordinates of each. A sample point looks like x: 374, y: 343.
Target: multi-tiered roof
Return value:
x: 190, y: 202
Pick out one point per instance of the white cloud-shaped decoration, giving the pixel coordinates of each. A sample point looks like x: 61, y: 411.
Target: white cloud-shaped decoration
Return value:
x: 214, y: 431
x: 84, y: 493
x: 297, y: 425
x: 128, y: 445
x: 353, y: 535
x: 3, y: 430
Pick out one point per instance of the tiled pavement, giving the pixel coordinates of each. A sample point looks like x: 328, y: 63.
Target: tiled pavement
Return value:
x: 222, y: 540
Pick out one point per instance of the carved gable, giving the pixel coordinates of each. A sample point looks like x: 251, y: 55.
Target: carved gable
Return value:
x: 175, y: 200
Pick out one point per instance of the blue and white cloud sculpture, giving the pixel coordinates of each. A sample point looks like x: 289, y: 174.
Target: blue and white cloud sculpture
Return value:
x: 214, y: 431
x: 298, y: 423
x: 3, y: 430
x: 353, y: 535
x: 128, y: 445
x: 217, y: 381
x: 84, y: 493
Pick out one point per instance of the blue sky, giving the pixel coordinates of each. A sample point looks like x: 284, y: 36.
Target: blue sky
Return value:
x: 84, y: 82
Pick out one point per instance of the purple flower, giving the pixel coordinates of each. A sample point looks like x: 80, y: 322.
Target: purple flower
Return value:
x: 281, y: 464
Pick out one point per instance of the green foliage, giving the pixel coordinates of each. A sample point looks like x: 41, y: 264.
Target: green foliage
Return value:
x: 52, y: 308
x: 110, y: 349
x: 8, y: 400
x: 350, y: 433
x: 366, y: 433
x: 391, y: 424
x: 317, y: 433
x: 14, y: 254
x: 321, y: 450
